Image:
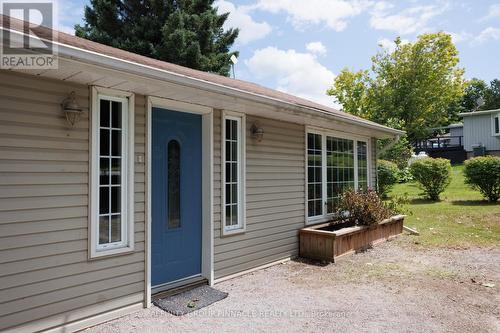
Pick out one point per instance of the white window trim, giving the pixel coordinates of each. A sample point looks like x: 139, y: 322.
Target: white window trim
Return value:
x: 127, y: 197
x: 341, y: 135
x: 241, y: 226
x: 493, y: 116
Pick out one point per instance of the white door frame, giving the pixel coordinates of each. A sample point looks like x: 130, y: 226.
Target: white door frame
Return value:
x: 207, y: 257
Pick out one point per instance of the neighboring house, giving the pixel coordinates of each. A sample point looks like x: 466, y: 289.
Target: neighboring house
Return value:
x: 456, y: 134
x: 447, y: 144
x: 482, y: 132
x: 170, y: 176
x: 477, y: 135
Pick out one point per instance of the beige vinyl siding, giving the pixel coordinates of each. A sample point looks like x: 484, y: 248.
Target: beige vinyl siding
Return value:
x: 275, y: 197
x: 45, y: 274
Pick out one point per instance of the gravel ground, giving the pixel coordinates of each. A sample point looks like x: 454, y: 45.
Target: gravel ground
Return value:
x: 395, y: 287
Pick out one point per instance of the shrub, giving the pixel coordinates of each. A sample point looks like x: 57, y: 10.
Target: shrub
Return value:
x: 404, y: 175
x: 483, y: 174
x: 363, y: 208
x: 399, y: 204
x: 387, y: 175
x: 400, y: 153
x: 433, y: 174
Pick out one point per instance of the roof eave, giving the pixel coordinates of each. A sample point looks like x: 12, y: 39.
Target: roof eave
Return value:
x: 107, y: 61
x: 476, y: 113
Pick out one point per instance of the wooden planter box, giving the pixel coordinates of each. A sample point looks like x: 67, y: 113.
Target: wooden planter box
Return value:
x: 328, y: 245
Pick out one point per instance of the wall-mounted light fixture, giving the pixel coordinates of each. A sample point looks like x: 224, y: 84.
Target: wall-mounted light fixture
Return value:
x: 257, y: 131
x: 71, y: 109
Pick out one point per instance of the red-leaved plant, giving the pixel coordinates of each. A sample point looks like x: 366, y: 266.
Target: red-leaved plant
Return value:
x: 363, y: 208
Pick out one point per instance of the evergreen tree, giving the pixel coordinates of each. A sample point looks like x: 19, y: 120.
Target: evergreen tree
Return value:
x: 185, y: 32
x: 476, y: 89
x: 492, y: 96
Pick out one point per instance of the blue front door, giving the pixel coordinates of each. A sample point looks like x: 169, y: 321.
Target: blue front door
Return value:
x: 176, y: 196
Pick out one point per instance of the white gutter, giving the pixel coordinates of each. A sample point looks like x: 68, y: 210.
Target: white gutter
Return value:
x: 475, y: 113
x: 95, y: 58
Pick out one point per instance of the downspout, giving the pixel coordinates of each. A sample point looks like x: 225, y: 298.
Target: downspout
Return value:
x: 389, y: 145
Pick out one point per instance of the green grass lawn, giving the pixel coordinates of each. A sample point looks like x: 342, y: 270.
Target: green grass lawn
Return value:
x: 461, y: 219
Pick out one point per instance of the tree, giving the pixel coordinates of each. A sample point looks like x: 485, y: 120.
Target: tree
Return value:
x: 475, y: 89
x: 185, y: 32
x: 399, y: 153
x: 350, y: 90
x: 411, y: 88
x: 492, y: 96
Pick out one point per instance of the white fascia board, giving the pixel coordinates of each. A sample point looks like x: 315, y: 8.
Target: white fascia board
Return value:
x: 91, y: 57
x: 478, y: 113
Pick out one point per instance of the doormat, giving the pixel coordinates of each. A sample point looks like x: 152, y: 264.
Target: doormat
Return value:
x: 190, y: 300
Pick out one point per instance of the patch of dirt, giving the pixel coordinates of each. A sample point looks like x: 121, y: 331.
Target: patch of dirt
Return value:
x: 393, y: 287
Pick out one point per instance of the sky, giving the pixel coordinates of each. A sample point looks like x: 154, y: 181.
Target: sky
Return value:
x: 298, y: 46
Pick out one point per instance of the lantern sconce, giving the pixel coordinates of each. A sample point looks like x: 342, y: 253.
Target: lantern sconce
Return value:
x: 71, y: 109
x: 257, y: 131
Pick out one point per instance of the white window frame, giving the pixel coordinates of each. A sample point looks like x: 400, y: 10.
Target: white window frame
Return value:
x: 341, y: 135
x: 126, y: 244
x: 493, y: 117
x: 241, y: 169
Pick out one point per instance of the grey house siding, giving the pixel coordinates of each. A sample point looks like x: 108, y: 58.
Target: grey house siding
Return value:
x: 275, y: 198
x: 457, y: 131
x: 477, y: 129
x: 45, y: 274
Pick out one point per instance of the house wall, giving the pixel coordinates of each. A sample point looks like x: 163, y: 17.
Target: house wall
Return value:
x: 275, y: 197
x: 477, y: 129
x: 456, y: 131
x: 46, y: 278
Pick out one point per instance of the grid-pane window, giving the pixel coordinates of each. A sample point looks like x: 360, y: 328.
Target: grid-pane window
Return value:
x: 339, y: 169
x: 362, y: 166
x: 334, y: 165
x: 314, y: 175
x: 110, y: 171
x: 232, y: 173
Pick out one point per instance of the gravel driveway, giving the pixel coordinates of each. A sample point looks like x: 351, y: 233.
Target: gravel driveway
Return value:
x: 395, y: 287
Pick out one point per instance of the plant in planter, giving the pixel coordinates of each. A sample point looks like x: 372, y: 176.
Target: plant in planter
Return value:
x: 363, y: 208
x: 365, y: 220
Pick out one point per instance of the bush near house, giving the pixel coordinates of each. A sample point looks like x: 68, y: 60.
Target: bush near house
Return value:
x: 433, y: 175
x: 363, y: 208
x: 483, y: 174
x: 462, y: 220
x: 404, y: 175
x: 400, y: 153
x: 387, y: 176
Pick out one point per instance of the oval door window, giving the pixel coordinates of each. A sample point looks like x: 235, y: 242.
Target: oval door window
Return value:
x: 174, y: 184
